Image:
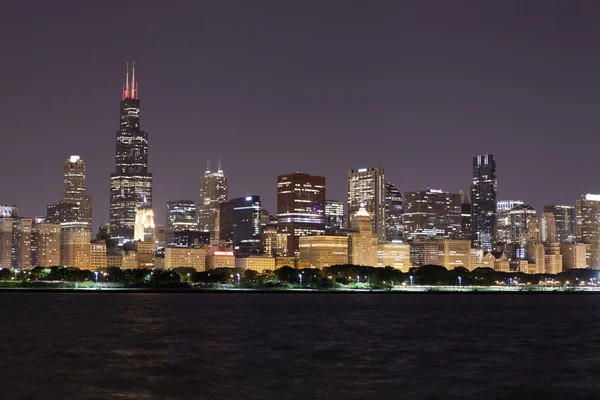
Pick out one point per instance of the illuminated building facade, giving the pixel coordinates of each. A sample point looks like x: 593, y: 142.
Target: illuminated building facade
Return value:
x: 588, y: 226
x: 181, y: 216
x: 393, y: 213
x: 240, y: 225
x: 395, y: 255
x: 300, y: 207
x: 98, y: 256
x: 145, y: 229
x: 213, y: 190
x: 519, y: 217
x: 484, y: 192
x: 131, y: 183
x: 194, y: 257
x: 454, y: 253
x: 259, y: 264
x: 432, y: 212
x: 465, y: 214
x: 7, y: 211
x: 564, y: 220
x: 334, y: 216
x: 573, y: 255
x: 362, y: 249
x: 366, y: 188
x: 45, y: 244
x: 503, y: 208
x: 323, y: 250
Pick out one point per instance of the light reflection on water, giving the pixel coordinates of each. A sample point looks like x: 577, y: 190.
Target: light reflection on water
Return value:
x: 284, y: 346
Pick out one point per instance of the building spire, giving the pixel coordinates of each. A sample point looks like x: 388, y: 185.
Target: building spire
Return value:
x: 126, y: 87
x: 133, y: 92
x: 207, y: 164
x: 132, y: 87
x: 219, y: 165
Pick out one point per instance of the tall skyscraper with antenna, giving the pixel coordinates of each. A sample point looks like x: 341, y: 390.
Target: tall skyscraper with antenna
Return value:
x: 131, y: 183
x: 213, y: 190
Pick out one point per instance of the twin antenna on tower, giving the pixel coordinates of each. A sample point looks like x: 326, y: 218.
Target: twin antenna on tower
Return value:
x: 131, y: 89
x: 208, y: 165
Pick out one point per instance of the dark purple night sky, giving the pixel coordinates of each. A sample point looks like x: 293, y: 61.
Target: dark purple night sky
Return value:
x: 320, y: 87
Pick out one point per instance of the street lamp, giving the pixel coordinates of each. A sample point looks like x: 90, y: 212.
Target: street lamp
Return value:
x: 411, y: 280
x: 358, y: 279
x: 459, y: 281
x: 96, y: 273
x: 300, y: 277
x: 238, y: 277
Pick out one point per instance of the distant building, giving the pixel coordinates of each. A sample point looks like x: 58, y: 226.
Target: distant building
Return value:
x: 240, y: 224
x: 366, y: 188
x: 220, y: 259
x: 548, y: 228
x: 300, y: 207
x: 98, y: 257
x: 259, y: 264
x: 520, y: 216
x: 45, y: 244
x: 131, y: 183
x: 363, y: 241
x: 564, y: 219
x: 181, y: 216
x: 424, y: 252
x: 395, y: 255
x: 393, y: 213
x: 324, y: 250
x: 186, y: 257
x: 432, y: 213
x: 454, y: 253
x: 496, y: 260
x: 7, y: 211
x: 144, y: 224
x: 75, y: 246
x: 573, y: 255
x: 465, y: 214
x: 213, y: 190
x: 588, y: 227
x: 503, y: 208
x: 483, y: 202
x: 334, y: 216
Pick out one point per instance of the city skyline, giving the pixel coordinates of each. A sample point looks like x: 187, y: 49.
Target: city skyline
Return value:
x: 218, y: 108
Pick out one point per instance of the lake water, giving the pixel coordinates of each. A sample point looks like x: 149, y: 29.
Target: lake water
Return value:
x: 296, y: 346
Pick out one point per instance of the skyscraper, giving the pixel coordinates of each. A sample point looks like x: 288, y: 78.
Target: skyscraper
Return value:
x: 393, y: 213
x: 483, y: 202
x: 564, y: 217
x: 366, y: 187
x: 181, y: 216
x: 465, y: 214
x: 588, y: 227
x: 240, y: 224
x: 432, y: 212
x: 520, y: 217
x: 74, y: 186
x: 131, y: 183
x: 334, y: 216
x: 144, y: 228
x: 503, y: 208
x: 213, y: 190
x: 300, y: 207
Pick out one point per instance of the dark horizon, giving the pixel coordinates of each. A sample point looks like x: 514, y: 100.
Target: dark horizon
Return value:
x: 321, y: 88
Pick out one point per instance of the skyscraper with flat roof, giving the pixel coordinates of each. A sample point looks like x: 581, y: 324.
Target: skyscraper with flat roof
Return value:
x: 483, y: 202
x: 213, y: 190
x: 300, y: 207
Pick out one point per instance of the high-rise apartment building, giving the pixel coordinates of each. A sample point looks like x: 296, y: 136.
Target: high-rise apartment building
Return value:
x: 334, y: 216
x: 131, y: 183
x: 588, y: 226
x: 181, y: 216
x: 432, y: 212
x: 503, y: 208
x: 366, y: 188
x: 548, y: 228
x: 74, y: 186
x: 483, y: 202
x: 45, y: 244
x: 300, y: 207
x: 213, y: 190
x: 564, y: 219
x: 393, y: 213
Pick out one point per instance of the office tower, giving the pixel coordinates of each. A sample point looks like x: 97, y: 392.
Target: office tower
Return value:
x: 334, y: 216
x: 213, y: 190
x: 240, y: 224
x: 181, y: 216
x: 362, y: 249
x: 483, y: 202
x: 190, y: 238
x: 268, y: 240
x: 432, y: 212
x: 323, y: 250
x: 300, y: 207
x: 574, y: 255
x: 6, y: 228
x: 519, y: 217
x: 393, y: 213
x: 74, y: 184
x: 424, y: 251
x: 74, y: 246
x: 588, y: 226
x: 454, y: 253
x: 7, y: 211
x: 503, y: 208
x: 160, y: 235
x: 131, y: 183
x: 564, y: 218
x: 465, y: 214
x: 104, y: 233
x: 45, y: 244
x: 21, y: 242
x: 366, y: 187
x: 548, y: 228
x: 98, y: 257
x: 186, y: 257
x: 144, y: 228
